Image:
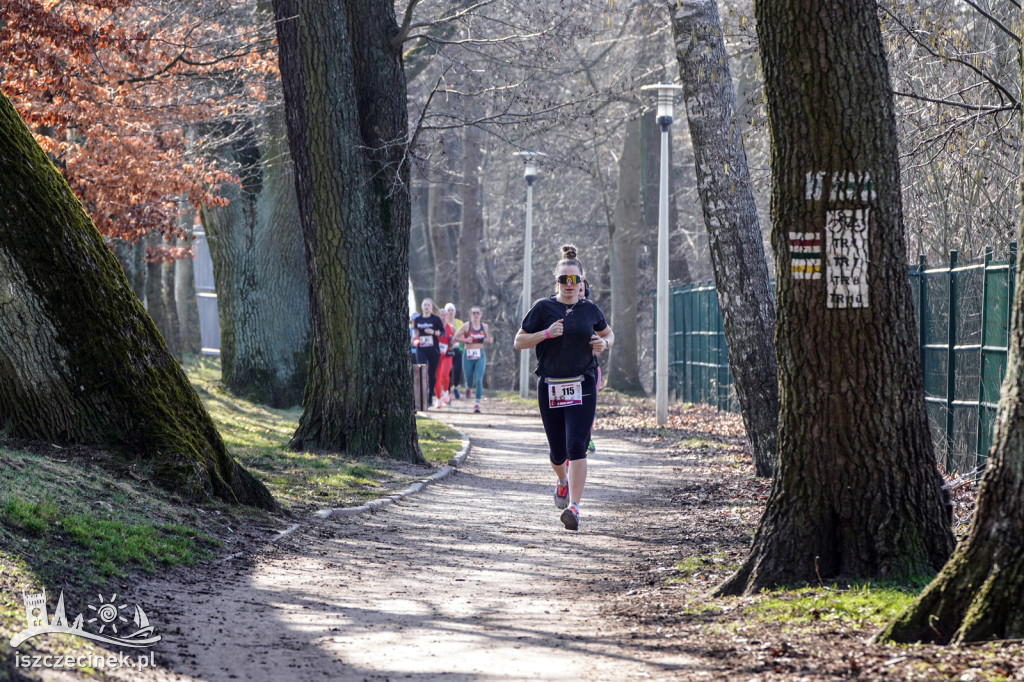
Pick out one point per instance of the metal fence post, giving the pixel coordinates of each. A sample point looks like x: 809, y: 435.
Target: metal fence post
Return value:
x: 922, y: 311
x: 951, y: 360
x: 979, y: 438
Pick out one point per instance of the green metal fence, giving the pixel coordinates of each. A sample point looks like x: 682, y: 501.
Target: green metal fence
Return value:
x: 698, y: 357
x: 963, y: 354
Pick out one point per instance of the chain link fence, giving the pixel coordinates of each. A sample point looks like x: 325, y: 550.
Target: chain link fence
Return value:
x: 963, y: 317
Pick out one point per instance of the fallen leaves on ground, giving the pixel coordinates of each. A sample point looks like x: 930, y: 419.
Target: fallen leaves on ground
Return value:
x: 709, y: 510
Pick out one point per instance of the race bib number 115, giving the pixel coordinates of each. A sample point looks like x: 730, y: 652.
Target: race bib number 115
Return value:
x: 565, y: 392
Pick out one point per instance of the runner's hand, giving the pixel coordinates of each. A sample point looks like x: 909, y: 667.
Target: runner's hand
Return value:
x: 597, y: 344
x: 556, y: 329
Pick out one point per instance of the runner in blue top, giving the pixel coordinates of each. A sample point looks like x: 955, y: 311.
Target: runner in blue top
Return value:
x: 567, y: 331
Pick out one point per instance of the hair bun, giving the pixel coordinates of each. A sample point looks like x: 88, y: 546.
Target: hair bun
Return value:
x: 569, y: 251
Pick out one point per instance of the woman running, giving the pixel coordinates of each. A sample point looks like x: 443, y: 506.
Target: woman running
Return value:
x: 474, y: 361
x: 568, y: 331
x: 426, y: 328
x: 444, y: 365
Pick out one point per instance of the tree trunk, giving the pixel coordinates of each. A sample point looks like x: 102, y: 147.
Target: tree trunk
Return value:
x: 80, y: 360
x: 185, y: 293
x: 857, y: 494
x: 979, y: 595
x: 626, y: 232
x: 155, y: 304
x: 347, y: 124
x: 173, y: 330
x: 471, y: 232
x: 138, y: 279
x: 444, y: 220
x: 259, y: 269
x: 730, y: 216
x: 421, y: 254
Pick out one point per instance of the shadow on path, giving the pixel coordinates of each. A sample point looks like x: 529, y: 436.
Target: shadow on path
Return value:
x: 474, y: 578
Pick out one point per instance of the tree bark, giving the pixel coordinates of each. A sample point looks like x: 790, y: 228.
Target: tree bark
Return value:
x: 259, y: 269
x: 730, y: 216
x: 185, y: 292
x: 173, y: 331
x: 156, y: 305
x: 80, y: 360
x: 444, y: 221
x: 626, y: 232
x: 421, y: 253
x: 857, y: 494
x: 471, y: 231
x: 138, y: 278
x: 979, y: 595
x: 347, y: 125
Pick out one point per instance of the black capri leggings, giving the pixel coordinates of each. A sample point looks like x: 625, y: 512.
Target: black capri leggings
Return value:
x: 430, y: 357
x: 568, y: 428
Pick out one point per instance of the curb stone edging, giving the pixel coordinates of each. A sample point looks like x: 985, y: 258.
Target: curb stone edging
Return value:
x: 377, y: 505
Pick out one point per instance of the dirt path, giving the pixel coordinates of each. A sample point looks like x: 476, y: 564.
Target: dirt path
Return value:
x: 473, y: 578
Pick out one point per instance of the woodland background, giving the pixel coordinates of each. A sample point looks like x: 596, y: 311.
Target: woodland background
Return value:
x: 164, y: 115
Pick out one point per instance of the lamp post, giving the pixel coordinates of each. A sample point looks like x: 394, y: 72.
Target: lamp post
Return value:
x: 529, y: 174
x: 666, y: 93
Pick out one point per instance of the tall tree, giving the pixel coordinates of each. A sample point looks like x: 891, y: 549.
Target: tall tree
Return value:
x: 156, y: 306
x: 730, y: 216
x: 979, y: 595
x: 443, y: 223
x: 471, y: 228
x: 80, y: 360
x: 626, y: 231
x: 857, y: 494
x: 259, y: 269
x: 345, y: 99
x: 185, y: 289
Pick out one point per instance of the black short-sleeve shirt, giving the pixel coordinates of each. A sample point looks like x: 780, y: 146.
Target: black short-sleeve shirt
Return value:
x: 570, y: 354
x: 433, y: 322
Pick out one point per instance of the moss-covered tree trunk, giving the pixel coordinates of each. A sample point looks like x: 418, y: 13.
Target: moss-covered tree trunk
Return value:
x: 979, y: 594
x: 80, y: 360
x: 730, y: 217
x: 857, y: 494
x: 347, y: 126
x: 260, y: 272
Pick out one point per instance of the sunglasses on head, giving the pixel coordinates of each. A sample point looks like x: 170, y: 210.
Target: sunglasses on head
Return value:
x: 569, y: 279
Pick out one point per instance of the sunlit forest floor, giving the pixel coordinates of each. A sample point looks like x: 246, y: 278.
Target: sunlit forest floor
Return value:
x: 701, y: 535
x: 83, y: 521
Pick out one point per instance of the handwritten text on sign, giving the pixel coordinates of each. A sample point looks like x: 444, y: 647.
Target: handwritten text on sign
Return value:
x: 846, y: 257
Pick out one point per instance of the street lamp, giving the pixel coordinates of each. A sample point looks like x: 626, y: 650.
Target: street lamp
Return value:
x: 666, y: 93
x: 529, y: 174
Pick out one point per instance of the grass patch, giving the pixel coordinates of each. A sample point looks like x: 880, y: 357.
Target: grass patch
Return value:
x: 439, y: 442
x: 856, y: 605
x: 707, y: 567
x: 258, y: 436
x: 78, y: 514
x: 74, y: 520
x: 85, y: 521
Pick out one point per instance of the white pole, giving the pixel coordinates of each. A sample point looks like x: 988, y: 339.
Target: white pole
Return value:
x: 661, y: 346
x: 524, y: 356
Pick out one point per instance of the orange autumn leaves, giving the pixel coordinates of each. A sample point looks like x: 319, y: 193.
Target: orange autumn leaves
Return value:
x: 127, y: 96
